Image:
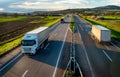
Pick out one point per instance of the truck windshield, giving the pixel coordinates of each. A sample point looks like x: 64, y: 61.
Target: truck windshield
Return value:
x: 28, y: 42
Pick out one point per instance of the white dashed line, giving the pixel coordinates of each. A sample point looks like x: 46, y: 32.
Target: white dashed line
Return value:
x: 107, y: 55
x: 114, y: 45
x: 10, y: 62
x: 54, y: 74
x: 47, y: 46
x: 23, y: 75
x: 86, y: 55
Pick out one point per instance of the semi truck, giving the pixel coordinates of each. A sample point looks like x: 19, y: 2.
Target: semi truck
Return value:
x: 101, y: 33
x: 34, y: 40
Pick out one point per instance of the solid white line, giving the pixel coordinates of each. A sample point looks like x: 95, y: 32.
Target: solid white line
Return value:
x: 47, y: 45
x: 66, y: 68
x: 81, y: 28
x: 81, y: 74
x: 23, y: 75
x: 86, y: 55
x: 60, y: 54
x: 107, y: 55
x: 10, y: 62
x: 69, y: 60
x: 114, y: 45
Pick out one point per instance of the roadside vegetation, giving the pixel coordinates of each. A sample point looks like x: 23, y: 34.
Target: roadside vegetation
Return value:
x: 72, y: 26
x: 112, y: 17
x: 44, y: 19
x: 12, y: 33
x: 10, y: 45
x: 109, y: 21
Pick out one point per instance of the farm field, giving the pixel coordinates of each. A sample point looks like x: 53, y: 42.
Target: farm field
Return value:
x: 9, y: 18
x: 111, y: 22
x: 12, y: 31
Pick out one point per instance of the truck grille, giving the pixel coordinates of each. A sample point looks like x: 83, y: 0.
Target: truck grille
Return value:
x: 27, y: 49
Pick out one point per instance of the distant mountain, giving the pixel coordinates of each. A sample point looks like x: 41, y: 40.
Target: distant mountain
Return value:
x: 109, y: 7
x: 80, y: 10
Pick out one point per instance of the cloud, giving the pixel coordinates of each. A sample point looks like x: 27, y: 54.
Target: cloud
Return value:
x: 1, y: 9
x: 59, y: 4
x: 36, y: 5
x: 72, y: 2
x: 48, y: 4
x: 114, y: 2
x: 41, y: 7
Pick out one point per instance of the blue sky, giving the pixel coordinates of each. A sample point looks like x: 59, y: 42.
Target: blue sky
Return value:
x: 43, y: 5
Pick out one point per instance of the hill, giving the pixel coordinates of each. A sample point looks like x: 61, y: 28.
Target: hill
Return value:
x: 80, y: 10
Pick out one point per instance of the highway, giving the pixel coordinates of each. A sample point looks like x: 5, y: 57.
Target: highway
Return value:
x: 95, y: 60
x: 51, y: 61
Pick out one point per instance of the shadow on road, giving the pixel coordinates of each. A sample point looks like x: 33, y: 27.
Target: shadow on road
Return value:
x: 50, y: 55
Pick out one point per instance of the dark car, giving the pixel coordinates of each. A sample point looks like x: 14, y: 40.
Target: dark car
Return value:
x: 62, y: 20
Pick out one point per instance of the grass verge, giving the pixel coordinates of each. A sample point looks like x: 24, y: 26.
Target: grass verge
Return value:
x: 72, y: 26
x: 114, y: 17
x: 10, y: 45
x: 52, y: 23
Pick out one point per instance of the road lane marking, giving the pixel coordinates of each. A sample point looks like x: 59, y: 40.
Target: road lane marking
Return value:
x: 47, y: 46
x: 81, y: 28
x: 81, y: 74
x: 23, y: 75
x: 107, y: 47
x: 86, y: 55
x: 66, y: 68
x: 73, y: 40
x: 60, y: 54
x: 10, y: 62
x: 114, y: 45
x: 107, y: 55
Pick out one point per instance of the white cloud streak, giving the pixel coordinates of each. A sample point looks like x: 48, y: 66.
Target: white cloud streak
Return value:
x: 1, y: 9
x: 114, y: 2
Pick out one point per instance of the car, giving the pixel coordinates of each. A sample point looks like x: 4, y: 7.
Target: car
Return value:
x: 62, y: 20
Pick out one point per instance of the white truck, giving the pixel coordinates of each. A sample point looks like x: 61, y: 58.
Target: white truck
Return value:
x: 33, y: 40
x: 101, y: 33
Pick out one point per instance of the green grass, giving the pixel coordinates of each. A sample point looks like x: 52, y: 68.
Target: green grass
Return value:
x: 8, y: 19
x: 68, y: 74
x: 10, y: 45
x: 52, y: 23
x: 72, y: 26
x: 113, y: 17
x: 35, y: 22
x: 114, y: 29
x: 45, y: 19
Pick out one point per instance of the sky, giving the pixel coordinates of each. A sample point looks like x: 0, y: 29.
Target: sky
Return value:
x: 50, y: 5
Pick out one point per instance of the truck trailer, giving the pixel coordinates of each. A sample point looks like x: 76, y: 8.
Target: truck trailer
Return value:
x: 101, y: 33
x: 33, y: 40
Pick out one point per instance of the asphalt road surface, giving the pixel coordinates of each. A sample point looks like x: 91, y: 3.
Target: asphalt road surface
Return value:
x: 95, y: 60
x: 50, y: 61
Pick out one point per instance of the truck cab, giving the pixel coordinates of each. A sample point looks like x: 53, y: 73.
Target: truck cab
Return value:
x: 34, y: 40
x: 29, y: 44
